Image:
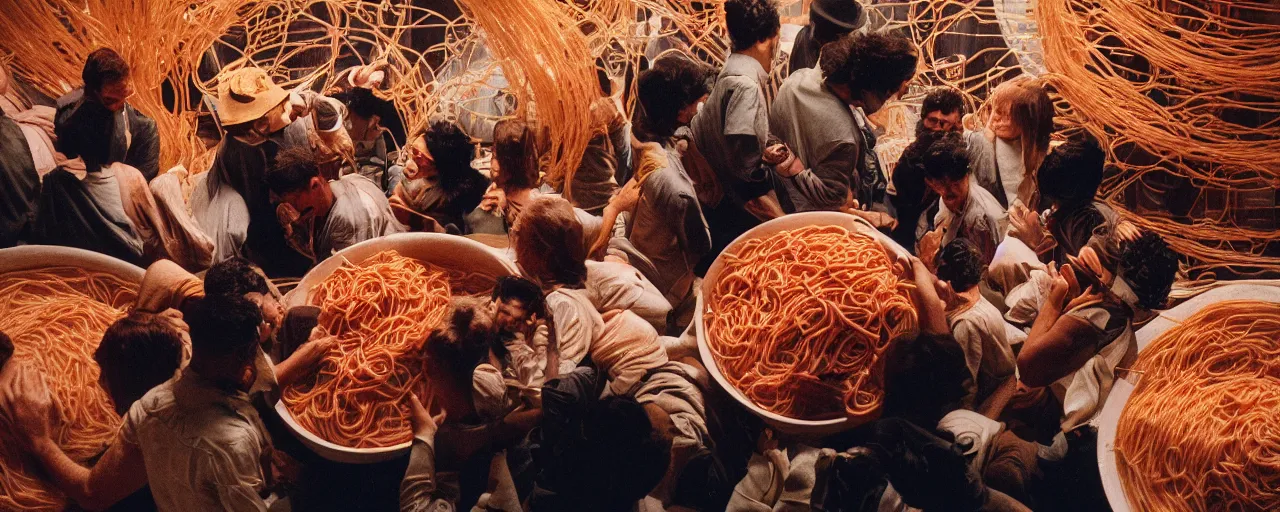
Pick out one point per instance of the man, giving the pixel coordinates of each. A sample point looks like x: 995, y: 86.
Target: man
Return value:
x: 233, y: 204
x: 915, y: 204
x: 197, y: 436
x: 732, y: 129
x: 19, y: 185
x: 668, y: 228
x: 813, y: 116
x: 340, y: 213
x: 967, y: 211
x: 439, y: 182
x: 107, y: 88
x: 941, y: 111
x: 829, y: 20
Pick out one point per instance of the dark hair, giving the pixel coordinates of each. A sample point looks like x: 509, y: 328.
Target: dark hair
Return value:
x: 673, y: 84
x: 750, y: 21
x: 362, y: 102
x: 947, y: 158
x: 515, y: 147
x: 6, y: 349
x: 942, y: 99
x: 137, y: 353
x: 234, y: 276
x: 638, y: 457
x: 451, y: 149
x: 878, y: 62
x: 102, y: 67
x: 521, y: 289
x: 1071, y: 173
x: 960, y: 265
x: 461, y: 342
x: 1150, y: 267
x: 293, y: 170
x: 224, y: 331
x: 909, y: 172
x: 548, y: 243
x: 924, y: 378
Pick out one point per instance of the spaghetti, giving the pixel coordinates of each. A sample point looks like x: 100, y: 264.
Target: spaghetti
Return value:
x: 1201, y: 431
x: 381, y: 311
x: 799, y: 319
x: 56, y: 318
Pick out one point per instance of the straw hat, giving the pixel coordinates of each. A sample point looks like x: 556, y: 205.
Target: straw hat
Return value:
x: 247, y: 94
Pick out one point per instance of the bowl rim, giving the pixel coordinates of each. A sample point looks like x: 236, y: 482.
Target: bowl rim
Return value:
x: 321, y: 271
x: 785, y: 223
x: 34, y: 257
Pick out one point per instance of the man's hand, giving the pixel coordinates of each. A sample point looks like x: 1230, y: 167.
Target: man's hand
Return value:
x: 929, y: 246
x: 1025, y: 225
x: 317, y: 346
x: 626, y: 198
x: 29, y: 407
x: 424, y: 424
x: 775, y: 154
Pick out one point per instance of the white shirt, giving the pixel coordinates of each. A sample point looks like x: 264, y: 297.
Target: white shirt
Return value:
x: 1009, y: 161
x: 202, y: 446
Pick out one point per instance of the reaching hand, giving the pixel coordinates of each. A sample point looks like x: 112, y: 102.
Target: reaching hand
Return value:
x: 929, y: 246
x: 775, y: 154
x: 423, y: 423
x: 1025, y: 225
x: 314, y: 350
x: 29, y: 406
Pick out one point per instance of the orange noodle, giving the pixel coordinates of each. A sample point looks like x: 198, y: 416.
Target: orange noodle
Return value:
x: 56, y: 318
x: 1202, y: 428
x: 381, y: 311
x: 799, y: 319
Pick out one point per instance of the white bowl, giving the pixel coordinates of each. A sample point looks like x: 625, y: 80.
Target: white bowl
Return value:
x: 1109, y: 416
x: 785, y: 223
x: 37, y: 257
x: 446, y: 251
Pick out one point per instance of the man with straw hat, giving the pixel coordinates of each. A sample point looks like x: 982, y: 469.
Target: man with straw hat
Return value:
x: 261, y: 119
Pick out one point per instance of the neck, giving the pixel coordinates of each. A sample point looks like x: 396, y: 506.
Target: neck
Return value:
x: 217, y: 378
x: 327, y: 205
x: 964, y: 300
x: 845, y: 94
x: 760, y: 53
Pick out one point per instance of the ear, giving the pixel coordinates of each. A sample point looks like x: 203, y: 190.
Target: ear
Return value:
x: 317, y: 182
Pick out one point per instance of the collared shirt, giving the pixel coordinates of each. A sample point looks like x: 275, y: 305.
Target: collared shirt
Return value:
x: 983, y: 336
x: 202, y: 446
x: 669, y: 229
x: 981, y: 221
x: 820, y: 129
x: 732, y: 128
x: 360, y: 212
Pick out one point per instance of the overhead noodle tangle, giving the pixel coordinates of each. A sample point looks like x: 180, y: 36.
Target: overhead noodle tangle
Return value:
x: 381, y: 311
x: 56, y: 318
x: 798, y: 321
x: 1202, y: 429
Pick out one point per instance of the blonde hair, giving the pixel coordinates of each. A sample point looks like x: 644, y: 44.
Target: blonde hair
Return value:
x: 1032, y: 111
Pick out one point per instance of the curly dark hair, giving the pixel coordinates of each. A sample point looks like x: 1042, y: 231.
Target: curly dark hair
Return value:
x: 947, y: 158
x: 960, y: 265
x: 908, y: 174
x: 451, y: 149
x: 878, y: 63
x: 1150, y: 266
x: 102, y: 67
x: 674, y: 82
x: 234, y: 276
x: 942, y: 99
x: 1071, y: 173
x: 293, y: 170
x: 751, y: 21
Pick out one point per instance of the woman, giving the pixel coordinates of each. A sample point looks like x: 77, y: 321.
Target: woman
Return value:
x: 1007, y: 153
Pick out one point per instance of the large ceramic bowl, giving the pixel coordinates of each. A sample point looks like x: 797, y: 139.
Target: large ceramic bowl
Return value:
x: 786, y: 223
x: 37, y: 257
x: 445, y: 251
x: 1109, y: 417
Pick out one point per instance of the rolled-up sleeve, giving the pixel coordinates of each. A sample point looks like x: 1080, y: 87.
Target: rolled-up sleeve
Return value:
x: 419, y: 491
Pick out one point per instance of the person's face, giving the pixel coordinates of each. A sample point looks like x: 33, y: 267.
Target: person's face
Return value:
x: 420, y: 158
x: 272, y: 310
x: 1002, y: 124
x: 510, y: 315
x: 771, y: 49
x: 936, y: 121
x: 873, y: 102
x: 114, y: 95
x: 308, y: 201
x: 953, y: 192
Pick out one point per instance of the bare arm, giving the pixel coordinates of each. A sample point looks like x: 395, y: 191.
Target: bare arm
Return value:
x: 994, y: 405
x: 1056, y: 346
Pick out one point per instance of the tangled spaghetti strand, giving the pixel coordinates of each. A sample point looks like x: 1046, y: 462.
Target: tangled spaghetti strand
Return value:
x: 381, y: 311
x: 56, y: 318
x: 1202, y: 428
x: 799, y: 319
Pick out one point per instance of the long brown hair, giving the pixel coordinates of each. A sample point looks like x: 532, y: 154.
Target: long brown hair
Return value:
x: 1031, y: 109
x: 516, y: 151
x: 548, y: 243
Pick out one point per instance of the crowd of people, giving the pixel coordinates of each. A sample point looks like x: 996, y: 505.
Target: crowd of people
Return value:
x: 578, y: 386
